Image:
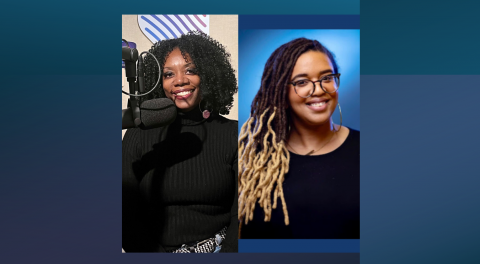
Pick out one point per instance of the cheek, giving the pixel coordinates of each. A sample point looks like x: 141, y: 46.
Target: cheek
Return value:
x: 293, y: 98
x: 167, y: 85
x: 195, y: 80
x: 334, y: 99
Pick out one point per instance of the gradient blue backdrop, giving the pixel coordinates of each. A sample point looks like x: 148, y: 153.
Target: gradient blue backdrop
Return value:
x: 60, y: 142
x: 256, y: 46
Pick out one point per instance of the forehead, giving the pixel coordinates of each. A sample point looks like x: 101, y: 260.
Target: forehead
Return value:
x: 176, y: 58
x: 312, y: 62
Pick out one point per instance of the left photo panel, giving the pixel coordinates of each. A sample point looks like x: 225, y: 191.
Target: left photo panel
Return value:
x: 179, y: 133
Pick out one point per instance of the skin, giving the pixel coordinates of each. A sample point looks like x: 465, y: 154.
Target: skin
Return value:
x: 312, y: 126
x: 180, y: 75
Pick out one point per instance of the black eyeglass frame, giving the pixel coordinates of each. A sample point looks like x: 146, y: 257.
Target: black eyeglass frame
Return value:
x: 314, y: 86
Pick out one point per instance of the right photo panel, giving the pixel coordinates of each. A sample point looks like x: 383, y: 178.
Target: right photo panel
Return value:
x: 299, y: 134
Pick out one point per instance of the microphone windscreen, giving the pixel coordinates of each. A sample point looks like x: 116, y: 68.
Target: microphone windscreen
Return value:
x: 157, y: 112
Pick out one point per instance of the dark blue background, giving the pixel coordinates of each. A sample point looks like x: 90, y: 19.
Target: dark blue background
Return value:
x: 420, y: 37
x: 299, y: 246
x: 419, y: 169
x: 304, y: 21
x: 60, y: 158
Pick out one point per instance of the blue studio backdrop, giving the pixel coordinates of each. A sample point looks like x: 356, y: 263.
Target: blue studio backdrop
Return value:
x: 256, y: 46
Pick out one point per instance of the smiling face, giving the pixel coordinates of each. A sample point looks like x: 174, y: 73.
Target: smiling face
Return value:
x: 181, y: 81
x: 318, y: 108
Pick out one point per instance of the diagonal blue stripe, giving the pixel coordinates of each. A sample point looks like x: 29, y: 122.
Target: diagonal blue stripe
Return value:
x: 155, y: 26
x: 153, y: 34
x: 165, y: 25
x: 183, y: 23
x: 174, y: 24
x: 191, y: 22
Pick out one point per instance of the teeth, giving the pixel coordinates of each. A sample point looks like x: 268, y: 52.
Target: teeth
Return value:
x: 184, y: 93
x: 318, y: 104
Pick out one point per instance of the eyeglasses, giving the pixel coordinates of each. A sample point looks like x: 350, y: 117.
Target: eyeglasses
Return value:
x: 305, y: 88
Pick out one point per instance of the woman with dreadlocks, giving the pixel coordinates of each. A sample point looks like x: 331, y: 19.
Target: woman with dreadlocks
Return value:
x: 180, y: 181
x: 298, y: 171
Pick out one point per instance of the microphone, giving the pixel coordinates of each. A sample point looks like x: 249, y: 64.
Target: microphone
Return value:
x: 153, y: 113
x: 148, y: 114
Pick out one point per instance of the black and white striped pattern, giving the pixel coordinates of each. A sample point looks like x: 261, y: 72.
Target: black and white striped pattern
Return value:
x: 206, y: 246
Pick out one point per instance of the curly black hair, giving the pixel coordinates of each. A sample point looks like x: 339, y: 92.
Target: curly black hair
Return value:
x: 218, y: 83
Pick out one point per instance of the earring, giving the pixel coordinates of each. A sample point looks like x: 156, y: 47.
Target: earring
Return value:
x: 205, y: 113
x: 339, y: 109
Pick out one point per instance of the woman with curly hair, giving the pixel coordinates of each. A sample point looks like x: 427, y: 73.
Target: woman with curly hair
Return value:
x: 298, y: 171
x: 180, y: 181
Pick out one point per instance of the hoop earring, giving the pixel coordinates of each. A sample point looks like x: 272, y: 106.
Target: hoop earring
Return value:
x: 205, y: 113
x: 339, y: 109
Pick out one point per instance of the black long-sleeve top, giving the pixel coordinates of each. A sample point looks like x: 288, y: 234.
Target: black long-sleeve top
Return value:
x: 322, y: 194
x: 179, y: 184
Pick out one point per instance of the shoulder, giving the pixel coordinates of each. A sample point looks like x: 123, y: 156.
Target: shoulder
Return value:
x: 225, y: 130
x: 223, y: 120
x: 354, y: 133
x: 225, y: 124
x: 136, y: 138
x: 353, y: 137
x: 131, y: 134
x: 136, y: 134
x: 131, y: 143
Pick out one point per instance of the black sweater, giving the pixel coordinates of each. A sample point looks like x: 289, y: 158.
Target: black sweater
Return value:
x: 180, y: 184
x: 322, y: 194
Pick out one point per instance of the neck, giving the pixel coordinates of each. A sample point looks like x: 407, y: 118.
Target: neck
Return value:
x: 193, y: 117
x: 308, y: 136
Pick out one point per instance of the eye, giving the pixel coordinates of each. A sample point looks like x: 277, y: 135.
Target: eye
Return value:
x: 167, y: 75
x: 327, y: 78
x: 192, y: 71
x: 301, y: 83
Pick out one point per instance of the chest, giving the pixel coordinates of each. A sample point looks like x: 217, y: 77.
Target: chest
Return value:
x: 189, y: 167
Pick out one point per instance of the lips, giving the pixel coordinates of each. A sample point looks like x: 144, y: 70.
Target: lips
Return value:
x: 318, y: 104
x: 183, y: 93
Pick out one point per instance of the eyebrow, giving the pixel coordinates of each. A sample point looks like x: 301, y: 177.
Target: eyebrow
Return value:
x: 306, y: 75
x: 185, y: 66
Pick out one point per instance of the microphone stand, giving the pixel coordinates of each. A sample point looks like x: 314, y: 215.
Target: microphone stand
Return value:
x: 130, y: 56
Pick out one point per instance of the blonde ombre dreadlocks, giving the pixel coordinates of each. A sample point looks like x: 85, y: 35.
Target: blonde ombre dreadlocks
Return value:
x: 263, y: 156
x: 261, y: 171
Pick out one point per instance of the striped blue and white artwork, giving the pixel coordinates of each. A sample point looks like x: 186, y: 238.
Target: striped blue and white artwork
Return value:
x: 162, y: 27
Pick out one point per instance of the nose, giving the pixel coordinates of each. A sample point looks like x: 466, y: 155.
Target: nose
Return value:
x: 180, y: 80
x: 318, y: 89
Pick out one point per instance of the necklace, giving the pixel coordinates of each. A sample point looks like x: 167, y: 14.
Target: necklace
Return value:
x: 313, y: 151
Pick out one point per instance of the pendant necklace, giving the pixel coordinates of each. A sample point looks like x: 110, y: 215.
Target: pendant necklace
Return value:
x: 312, y: 151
